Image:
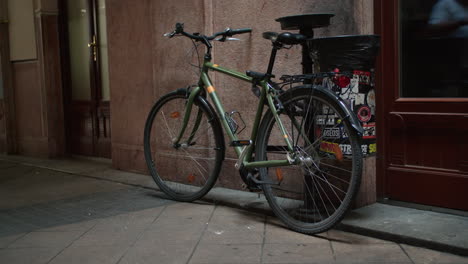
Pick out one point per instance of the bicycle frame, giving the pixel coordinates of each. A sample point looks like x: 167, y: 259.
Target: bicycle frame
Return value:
x: 244, y: 153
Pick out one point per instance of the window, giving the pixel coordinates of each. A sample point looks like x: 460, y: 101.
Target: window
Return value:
x: 433, y: 53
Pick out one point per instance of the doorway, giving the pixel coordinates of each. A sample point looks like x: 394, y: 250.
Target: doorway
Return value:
x: 423, y: 104
x: 86, y: 77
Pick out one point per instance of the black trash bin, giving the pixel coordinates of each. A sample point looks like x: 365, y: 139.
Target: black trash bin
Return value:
x: 356, y: 52
x: 353, y: 58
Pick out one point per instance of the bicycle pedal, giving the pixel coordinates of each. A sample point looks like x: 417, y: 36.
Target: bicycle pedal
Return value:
x: 241, y: 143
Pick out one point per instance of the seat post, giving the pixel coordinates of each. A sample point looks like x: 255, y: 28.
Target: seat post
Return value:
x: 307, y: 63
x: 274, y: 50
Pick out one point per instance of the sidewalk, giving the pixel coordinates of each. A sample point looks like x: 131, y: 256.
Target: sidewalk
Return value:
x: 81, y: 211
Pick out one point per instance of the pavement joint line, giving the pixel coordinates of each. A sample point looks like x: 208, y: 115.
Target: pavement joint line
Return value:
x: 71, y: 243
x: 18, y: 238
x: 332, y: 249
x: 265, y: 218
x: 406, y: 253
x: 202, y: 234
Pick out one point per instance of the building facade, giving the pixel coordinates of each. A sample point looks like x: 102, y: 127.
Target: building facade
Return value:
x: 79, y: 77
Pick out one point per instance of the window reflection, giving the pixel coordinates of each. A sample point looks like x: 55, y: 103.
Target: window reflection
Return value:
x: 434, y: 48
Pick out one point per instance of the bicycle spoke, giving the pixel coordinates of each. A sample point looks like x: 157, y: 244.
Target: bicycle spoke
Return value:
x: 167, y: 126
x: 332, y: 186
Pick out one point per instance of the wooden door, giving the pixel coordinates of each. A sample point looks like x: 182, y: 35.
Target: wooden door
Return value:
x: 87, y: 81
x: 423, y: 105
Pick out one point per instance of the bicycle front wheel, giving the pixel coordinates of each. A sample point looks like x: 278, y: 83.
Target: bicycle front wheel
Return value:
x: 188, y: 170
x: 314, y: 195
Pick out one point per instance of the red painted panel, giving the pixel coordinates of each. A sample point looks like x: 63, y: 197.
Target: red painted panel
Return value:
x: 429, y: 140
x: 428, y: 187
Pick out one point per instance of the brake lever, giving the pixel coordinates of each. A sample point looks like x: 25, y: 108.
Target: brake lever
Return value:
x: 222, y: 39
x: 170, y: 34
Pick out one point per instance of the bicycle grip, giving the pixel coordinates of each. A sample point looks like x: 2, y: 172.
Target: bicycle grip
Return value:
x: 240, y: 31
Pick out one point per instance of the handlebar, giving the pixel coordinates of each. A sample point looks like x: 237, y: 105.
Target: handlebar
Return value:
x: 179, y: 30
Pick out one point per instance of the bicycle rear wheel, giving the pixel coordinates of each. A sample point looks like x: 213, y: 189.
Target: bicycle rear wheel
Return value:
x: 185, y: 172
x: 313, y: 196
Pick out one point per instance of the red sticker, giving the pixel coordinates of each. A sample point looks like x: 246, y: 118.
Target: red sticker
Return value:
x: 364, y: 113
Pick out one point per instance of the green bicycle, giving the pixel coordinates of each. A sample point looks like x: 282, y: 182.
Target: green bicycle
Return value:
x: 303, y: 152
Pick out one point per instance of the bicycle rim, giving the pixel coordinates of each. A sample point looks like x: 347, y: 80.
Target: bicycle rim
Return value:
x: 313, y: 196
x: 188, y: 171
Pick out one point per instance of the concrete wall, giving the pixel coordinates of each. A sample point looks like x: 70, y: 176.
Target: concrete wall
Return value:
x: 144, y: 65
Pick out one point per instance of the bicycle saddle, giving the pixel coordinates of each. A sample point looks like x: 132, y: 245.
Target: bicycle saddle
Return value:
x: 285, y: 37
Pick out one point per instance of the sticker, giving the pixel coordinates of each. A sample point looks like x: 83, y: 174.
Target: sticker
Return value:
x: 369, y: 131
x: 364, y: 113
x: 363, y: 76
x: 370, y: 98
x: 191, y: 178
x: 346, y: 149
x: 175, y: 115
x: 359, y: 99
x: 342, y: 81
x: 372, y: 148
x: 332, y: 133
x: 325, y: 120
x: 279, y: 174
x: 332, y: 148
x: 210, y: 89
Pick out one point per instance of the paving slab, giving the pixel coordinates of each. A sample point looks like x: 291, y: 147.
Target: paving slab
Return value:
x: 298, y: 253
x: 276, y: 233
x: 115, y: 237
x: 434, y: 230
x: 426, y: 256
x: 46, y: 239
x: 96, y: 254
x: 5, y: 241
x: 162, y: 253
x: 372, y: 253
x: 59, y: 213
x: 230, y: 253
x: 28, y: 255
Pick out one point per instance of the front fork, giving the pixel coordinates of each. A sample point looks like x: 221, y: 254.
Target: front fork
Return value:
x: 188, y: 110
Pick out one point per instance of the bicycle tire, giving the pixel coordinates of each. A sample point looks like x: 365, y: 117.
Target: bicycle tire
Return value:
x: 187, y: 172
x: 312, y: 197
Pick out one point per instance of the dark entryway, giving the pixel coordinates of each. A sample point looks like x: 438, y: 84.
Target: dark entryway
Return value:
x: 86, y: 80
